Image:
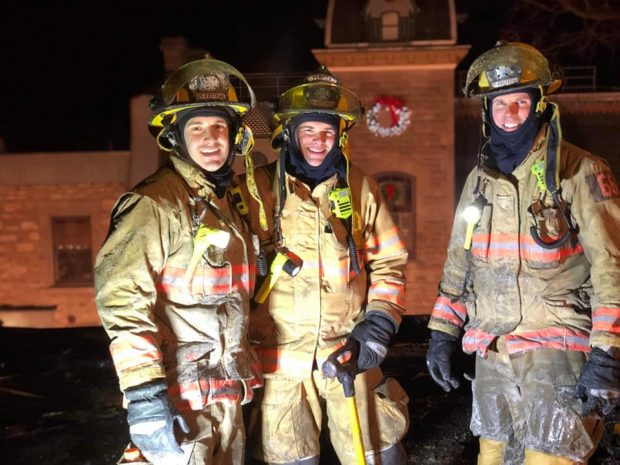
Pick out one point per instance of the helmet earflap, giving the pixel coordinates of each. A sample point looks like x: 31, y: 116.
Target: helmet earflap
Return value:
x: 166, y: 138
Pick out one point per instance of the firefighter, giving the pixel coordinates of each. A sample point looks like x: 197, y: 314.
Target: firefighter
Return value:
x: 532, y: 275
x: 334, y: 284
x: 175, y: 275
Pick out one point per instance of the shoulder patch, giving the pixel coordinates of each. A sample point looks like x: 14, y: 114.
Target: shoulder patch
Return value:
x: 603, y: 186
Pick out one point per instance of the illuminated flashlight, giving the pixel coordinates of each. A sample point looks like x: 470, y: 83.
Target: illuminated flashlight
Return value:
x: 286, y: 261
x: 472, y: 215
x: 204, y: 238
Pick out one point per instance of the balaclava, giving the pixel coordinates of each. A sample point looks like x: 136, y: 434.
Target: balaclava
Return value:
x: 295, y: 163
x: 509, y: 149
x: 222, y: 177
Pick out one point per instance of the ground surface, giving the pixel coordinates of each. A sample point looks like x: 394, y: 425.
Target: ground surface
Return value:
x: 60, y: 404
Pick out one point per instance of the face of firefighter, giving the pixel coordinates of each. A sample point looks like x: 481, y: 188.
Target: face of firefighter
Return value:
x: 315, y: 139
x: 511, y: 110
x: 207, y: 142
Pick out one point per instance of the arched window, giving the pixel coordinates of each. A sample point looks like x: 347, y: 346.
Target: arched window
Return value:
x: 390, y: 26
x: 399, y: 192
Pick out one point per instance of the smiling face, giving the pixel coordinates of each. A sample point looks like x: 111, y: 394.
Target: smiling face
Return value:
x: 510, y: 111
x: 315, y: 139
x: 207, y: 142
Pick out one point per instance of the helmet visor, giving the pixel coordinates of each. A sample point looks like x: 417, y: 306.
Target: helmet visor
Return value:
x: 319, y: 97
x: 206, y: 82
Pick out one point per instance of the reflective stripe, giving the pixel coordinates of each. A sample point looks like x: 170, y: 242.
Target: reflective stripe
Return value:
x: 478, y: 341
x: 340, y: 273
x: 293, y: 363
x: 387, y: 290
x: 133, y: 350
x: 190, y: 395
x: 444, y: 309
x: 549, y: 338
x: 498, y: 245
x: 606, y: 319
x: 214, y: 280
x: 383, y: 245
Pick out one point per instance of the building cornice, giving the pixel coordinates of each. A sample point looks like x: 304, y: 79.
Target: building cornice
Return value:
x: 391, y: 58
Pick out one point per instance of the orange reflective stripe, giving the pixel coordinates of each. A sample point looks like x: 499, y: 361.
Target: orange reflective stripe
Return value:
x: 194, y: 396
x: 387, y: 290
x: 283, y: 361
x: 385, y: 244
x: 338, y: 274
x: 213, y: 280
x: 498, y: 245
x: 134, y: 350
x: 453, y: 312
x: 606, y: 319
x: 476, y: 340
x: 549, y: 338
x: 292, y: 362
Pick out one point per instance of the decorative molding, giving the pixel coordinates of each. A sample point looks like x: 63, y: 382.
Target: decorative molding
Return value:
x: 396, y: 58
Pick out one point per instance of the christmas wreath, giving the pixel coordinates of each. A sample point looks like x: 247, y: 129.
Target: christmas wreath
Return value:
x: 400, y: 117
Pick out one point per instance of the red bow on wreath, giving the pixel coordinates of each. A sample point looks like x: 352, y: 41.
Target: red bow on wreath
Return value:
x: 392, y: 104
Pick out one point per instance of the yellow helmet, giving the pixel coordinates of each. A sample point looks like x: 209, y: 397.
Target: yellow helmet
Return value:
x: 509, y: 66
x: 320, y: 92
x: 199, y: 83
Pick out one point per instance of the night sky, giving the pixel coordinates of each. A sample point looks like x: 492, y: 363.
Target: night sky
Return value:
x: 69, y: 67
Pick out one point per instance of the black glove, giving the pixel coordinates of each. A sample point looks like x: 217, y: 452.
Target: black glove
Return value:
x: 439, y: 360
x: 598, y: 385
x: 374, y: 334
x: 151, y: 418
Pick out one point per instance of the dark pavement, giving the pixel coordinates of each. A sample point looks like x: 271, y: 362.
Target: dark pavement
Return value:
x: 60, y: 403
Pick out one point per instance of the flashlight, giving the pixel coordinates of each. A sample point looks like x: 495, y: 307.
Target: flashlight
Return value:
x: 472, y: 215
x: 284, y: 261
x: 204, y: 238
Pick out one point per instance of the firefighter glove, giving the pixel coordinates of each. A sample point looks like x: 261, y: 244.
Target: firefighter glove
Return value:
x: 373, y: 334
x: 598, y: 385
x: 151, y: 417
x: 439, y: 358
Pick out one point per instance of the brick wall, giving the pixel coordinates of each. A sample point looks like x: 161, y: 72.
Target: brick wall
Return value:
x: 26, y: 251
x: 425, y: 151
x: 424, y: 80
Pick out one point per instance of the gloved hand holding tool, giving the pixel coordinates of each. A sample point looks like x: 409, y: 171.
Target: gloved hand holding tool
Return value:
x: 373, y: 334
x: 151, y: 417
x: 598, y: 385
x: 439, y: 360
x: 345, y: 372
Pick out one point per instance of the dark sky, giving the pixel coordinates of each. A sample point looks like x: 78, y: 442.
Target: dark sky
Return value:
x: 68, y: 68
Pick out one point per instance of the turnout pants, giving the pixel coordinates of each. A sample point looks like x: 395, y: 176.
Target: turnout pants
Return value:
x: 524, y: 410
x: 288, y: 414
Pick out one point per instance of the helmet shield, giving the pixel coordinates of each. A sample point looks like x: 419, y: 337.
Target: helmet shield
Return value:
x: 205, y: 82
x: 509, y: 67
x: 320, y: 92
x: 319, y: 97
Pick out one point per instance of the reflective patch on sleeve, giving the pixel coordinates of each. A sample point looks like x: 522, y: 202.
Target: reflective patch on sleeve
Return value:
x: 603, y: 186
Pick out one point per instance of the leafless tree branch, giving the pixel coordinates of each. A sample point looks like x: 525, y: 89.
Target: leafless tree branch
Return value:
x: 604, y: 11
